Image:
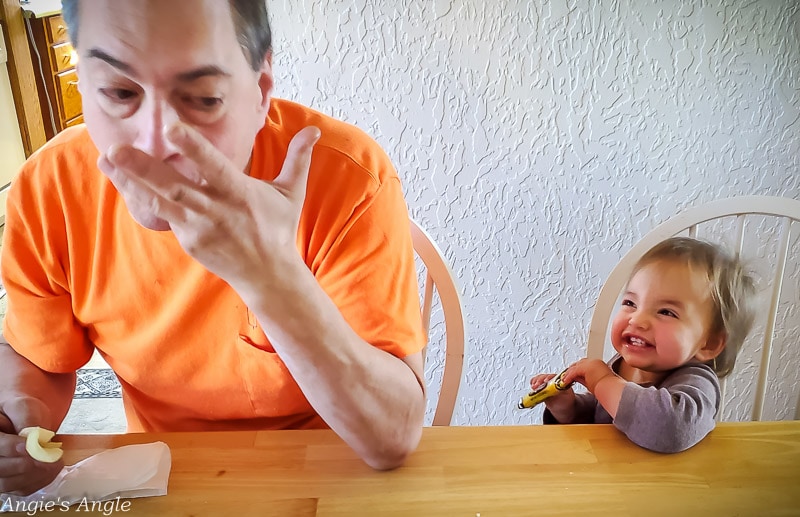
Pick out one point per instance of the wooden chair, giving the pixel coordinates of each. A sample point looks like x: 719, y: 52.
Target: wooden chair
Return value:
x: 776, y: 214
x: 438, y: 276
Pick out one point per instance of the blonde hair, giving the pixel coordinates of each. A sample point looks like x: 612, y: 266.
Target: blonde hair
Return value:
x: 733, y: 290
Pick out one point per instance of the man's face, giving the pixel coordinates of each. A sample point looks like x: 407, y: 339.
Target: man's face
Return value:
x: 145, y: 64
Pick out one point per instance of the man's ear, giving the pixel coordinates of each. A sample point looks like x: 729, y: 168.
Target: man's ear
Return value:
x: 714, y: 346
x: 266, y: 82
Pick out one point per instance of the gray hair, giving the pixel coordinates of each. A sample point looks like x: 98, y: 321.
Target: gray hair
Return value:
x: 250, y: 19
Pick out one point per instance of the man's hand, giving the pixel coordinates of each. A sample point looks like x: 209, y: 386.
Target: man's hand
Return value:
x: 244, y: 230
x: 240, y: 228
x: 19, y: 473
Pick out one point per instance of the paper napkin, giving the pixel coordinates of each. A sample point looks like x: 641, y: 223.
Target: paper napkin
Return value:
x: 125, y: 472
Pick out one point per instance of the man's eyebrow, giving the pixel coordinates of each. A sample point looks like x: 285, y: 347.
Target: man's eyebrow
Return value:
x: 116, y: 63
x: 184, y: 77
x: 203, y: 71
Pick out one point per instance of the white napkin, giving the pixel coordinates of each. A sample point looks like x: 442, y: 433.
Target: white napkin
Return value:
x: 124, y: 472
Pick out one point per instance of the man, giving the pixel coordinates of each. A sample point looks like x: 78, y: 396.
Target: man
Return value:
x: 181, y: 234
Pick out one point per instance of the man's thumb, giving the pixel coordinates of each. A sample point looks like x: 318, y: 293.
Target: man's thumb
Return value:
x: 294, y: 173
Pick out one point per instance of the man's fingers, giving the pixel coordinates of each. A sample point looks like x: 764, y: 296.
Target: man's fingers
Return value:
x: 213, y: 167
x: 6, y: 426
x: 11, y: 466
x: 162, y: 196
x: 11, y: 445
x: 14, y: 485
x: 294, y: 173
x: 120, y: 181
x: 34, y: 477
x: 142, y: 168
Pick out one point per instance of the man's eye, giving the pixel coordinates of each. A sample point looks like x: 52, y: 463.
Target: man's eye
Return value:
x: 118, y: 94
x: 210, y: 102
x: 203, y: 103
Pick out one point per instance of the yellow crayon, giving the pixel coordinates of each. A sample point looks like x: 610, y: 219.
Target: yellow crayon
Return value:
x: 540, y: 394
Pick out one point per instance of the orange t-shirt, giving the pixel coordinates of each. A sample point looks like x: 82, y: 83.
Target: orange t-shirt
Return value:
x: 81, y: 273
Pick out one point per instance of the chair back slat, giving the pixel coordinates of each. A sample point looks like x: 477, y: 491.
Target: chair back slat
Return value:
x: 772, y: 314
x: 738, y: 249
x: 739, y: 242
x: 427, y: 303
x: 440, y: 277
x: 783, y: 212
x: 797, y: 410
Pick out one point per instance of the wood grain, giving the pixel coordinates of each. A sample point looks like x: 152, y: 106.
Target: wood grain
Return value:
x: 740, y: 469
x: 23, y: 78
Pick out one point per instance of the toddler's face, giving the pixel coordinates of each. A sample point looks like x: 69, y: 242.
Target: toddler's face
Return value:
x: 665, y: 317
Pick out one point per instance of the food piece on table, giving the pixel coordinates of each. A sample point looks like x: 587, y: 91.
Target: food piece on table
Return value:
x: 39, y: 446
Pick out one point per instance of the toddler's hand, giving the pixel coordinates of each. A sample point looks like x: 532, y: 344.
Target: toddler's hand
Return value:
x: 588, y: 372
x: 540, y: 380
x: 562, y: 404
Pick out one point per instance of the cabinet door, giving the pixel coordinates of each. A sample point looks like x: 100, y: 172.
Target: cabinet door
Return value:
x: 56, y: 29
x: 62, y: 56
x: 70, y: 97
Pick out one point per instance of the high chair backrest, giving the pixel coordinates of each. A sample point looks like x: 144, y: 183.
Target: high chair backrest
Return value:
x: 729, y: 220
x: 440, y: 279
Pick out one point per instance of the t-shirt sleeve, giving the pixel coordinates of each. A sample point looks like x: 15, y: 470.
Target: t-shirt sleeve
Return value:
x: 370, y: 273
x: 674, y: 416
x: 39, y: 322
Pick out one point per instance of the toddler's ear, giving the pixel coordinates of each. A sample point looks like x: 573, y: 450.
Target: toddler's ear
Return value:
x: 713, y: 347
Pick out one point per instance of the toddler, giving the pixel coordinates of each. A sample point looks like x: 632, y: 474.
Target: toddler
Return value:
x: 685, y: 312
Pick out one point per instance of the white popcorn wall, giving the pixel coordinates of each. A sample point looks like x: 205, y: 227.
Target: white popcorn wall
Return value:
x: 539, y: 140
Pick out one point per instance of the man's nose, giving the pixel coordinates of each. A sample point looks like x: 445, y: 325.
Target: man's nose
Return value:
x: 154, y: 120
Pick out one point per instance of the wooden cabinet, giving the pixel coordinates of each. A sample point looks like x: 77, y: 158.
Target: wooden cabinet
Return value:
x: 56, y: 78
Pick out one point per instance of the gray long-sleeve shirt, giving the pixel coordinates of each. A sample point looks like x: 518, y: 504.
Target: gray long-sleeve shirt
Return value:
x: 669, y: 417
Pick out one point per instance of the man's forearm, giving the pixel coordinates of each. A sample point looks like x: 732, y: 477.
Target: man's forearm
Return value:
x: 23, y: 380
x: 372, y: 399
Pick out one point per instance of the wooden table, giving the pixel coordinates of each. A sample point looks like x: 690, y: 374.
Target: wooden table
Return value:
x: 746, y: 469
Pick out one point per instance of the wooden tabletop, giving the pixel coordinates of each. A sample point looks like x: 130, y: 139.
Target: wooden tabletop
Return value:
x: 739, y: 469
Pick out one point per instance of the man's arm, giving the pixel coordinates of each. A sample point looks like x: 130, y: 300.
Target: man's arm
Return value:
x: 29, y: 397
x: 372, y: 399
x: 24, y: 381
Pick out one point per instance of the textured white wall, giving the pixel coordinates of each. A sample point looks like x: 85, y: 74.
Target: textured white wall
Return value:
x: 538, y: 140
